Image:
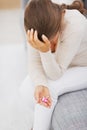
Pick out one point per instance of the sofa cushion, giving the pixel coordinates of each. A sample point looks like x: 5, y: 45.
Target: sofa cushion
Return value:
x: 71, y: 111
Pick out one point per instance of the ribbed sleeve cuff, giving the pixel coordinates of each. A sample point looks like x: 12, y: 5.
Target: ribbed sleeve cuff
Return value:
x: 47, y: 56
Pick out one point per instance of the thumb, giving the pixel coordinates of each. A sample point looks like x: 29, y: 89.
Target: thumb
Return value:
x: 37, y: 97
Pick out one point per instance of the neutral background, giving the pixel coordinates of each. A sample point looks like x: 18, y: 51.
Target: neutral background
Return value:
x: 9, y: 4
x: 13, y: 64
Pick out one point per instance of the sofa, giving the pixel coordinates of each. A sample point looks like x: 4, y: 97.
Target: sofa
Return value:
x: 85, y: 3
x: 70, y: 112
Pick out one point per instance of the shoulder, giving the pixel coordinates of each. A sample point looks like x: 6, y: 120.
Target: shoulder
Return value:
x: 75, y: 25
x: 76, y: 22
x: 74, y: 17
x: 73, y: 13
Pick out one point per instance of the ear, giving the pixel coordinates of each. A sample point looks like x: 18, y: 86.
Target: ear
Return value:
x: 62, y: 19
x: 63, y: 11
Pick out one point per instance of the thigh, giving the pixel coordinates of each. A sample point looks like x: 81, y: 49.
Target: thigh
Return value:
x: 73, y: 79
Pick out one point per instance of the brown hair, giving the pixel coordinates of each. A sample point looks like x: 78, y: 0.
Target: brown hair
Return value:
x: 77, y: 4
x: 45, y: 16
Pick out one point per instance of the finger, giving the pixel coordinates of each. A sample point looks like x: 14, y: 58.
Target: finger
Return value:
x: 43, y: 104
x: 47, y: 104
x: 37, y: 98
x: 31, y: 38
x: 35, y: 36
x: 28, y: 38
x: 31, y: 35
x: 36, y: 40
x: 28, y: 35
x: 45, y: 39
x: 49, y: 101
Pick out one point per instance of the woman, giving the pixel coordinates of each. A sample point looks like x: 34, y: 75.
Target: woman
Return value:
x: 56, y: 42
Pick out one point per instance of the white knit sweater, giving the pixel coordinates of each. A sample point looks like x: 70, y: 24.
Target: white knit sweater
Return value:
x: 71, y: 51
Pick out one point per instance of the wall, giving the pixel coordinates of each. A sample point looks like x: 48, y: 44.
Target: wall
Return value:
x: 9, y: 4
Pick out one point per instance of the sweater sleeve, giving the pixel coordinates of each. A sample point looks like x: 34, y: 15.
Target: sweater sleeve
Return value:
x: 66, y: 51
x: 35, y: 68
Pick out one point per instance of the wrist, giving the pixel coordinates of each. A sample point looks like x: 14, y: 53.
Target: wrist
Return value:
x: 40, y: 86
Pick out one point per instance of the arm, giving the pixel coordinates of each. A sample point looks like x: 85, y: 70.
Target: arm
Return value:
x: 67, y: 49
x: 38, y: 77
x: 35, y: 68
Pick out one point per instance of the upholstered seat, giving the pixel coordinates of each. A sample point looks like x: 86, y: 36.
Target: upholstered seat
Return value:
x: 71, y: 111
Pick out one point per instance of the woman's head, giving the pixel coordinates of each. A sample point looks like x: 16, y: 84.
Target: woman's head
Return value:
x: 46, y: 16
x: 43, y: 16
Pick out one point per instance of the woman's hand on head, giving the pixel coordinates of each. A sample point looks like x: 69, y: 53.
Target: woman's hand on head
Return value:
x: 42, y: 92
x: 32, y: 37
